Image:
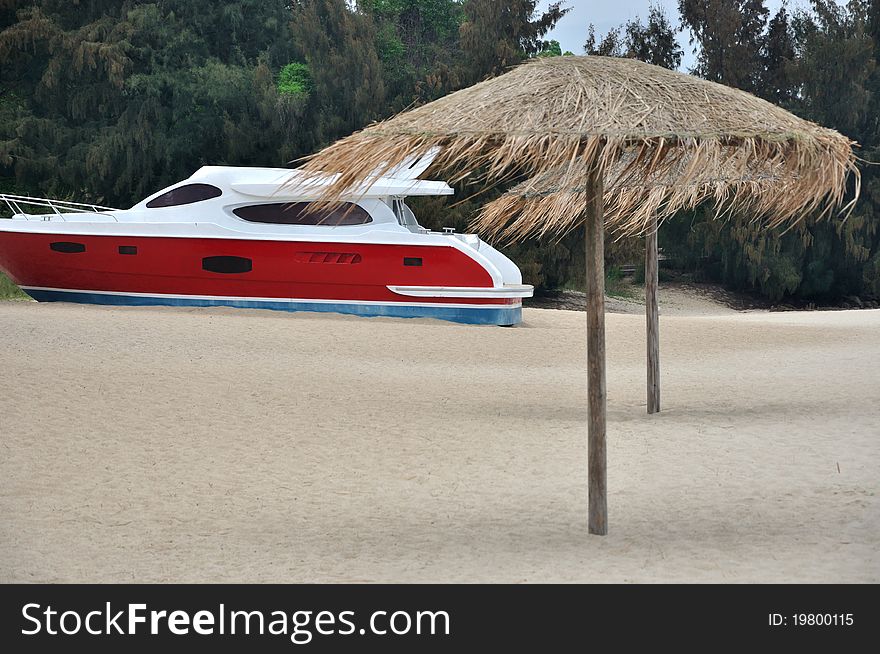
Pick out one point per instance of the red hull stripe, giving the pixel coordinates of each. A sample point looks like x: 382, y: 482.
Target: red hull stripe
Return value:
x: 274, y: 270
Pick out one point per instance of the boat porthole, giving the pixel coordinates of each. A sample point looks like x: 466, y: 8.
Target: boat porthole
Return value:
x: 412, y: 261
x: 227, y: 264
x: 128, y: 249
x: 67, y: 247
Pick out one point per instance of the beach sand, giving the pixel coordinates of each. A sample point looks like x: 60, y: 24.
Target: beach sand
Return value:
x: 215, y: 445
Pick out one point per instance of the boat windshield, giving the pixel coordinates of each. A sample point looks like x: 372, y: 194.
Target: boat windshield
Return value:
x: 405, y: 216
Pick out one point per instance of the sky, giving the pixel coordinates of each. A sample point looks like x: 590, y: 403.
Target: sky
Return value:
x: 571, y: 31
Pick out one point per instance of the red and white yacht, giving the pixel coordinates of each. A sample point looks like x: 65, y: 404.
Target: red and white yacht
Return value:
x: 242, y: 237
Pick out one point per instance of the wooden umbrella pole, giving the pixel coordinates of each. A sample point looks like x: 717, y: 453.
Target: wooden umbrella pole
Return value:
x: 652, y: 315
x: 594, y: 228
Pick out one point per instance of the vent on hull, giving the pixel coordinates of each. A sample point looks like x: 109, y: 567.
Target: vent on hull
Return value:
x: 327, y: 257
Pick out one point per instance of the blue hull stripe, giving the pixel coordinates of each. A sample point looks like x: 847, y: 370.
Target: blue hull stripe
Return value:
x: 468, y: 315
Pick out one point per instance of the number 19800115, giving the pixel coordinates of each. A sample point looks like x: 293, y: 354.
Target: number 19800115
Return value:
x: 811, y: 620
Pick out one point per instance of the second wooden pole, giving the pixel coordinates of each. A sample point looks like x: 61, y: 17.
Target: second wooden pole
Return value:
x: 652, y: 315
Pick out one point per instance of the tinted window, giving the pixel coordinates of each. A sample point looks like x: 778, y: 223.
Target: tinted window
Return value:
x: 227, y: 265
x: 294, y: 213
x: 67, y: 247
x: 185, y: 195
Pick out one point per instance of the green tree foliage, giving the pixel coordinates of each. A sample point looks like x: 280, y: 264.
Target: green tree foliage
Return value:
x: 778, y: 55
x: 415, y: 42
x: 729, y: 35
x: 610, y: 45
x: 497, y: 34
x: 551, y: 49
x: 112, y: 100
x: 340, y: 48
x: 653, y: 42
x: 835, y: 61
x: 295, y: 79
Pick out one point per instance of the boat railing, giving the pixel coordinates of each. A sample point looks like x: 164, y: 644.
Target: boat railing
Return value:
x: 58, y: 207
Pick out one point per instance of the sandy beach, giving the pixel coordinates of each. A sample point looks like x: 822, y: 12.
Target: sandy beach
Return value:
x: 211, y: 445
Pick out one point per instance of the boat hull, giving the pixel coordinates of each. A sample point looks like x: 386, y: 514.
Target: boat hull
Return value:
x: 340, y: 277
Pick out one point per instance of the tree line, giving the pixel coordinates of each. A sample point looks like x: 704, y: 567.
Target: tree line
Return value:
x: 107, y: 101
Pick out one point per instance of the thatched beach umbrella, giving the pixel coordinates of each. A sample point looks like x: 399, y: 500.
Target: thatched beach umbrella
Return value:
x: 581, y: 115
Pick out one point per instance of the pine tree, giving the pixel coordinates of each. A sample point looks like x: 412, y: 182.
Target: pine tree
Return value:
x: 729, y: 35
x: 416, y: 43
x: 339, y: 47
x: 610, y: 45
x: 497, y: 34
x: 653, y: 42
x: 778, y: 55
x: 834, y: 63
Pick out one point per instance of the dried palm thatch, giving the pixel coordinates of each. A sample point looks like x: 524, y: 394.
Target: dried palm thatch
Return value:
x: 658, y: 128
x: 633, y: 204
